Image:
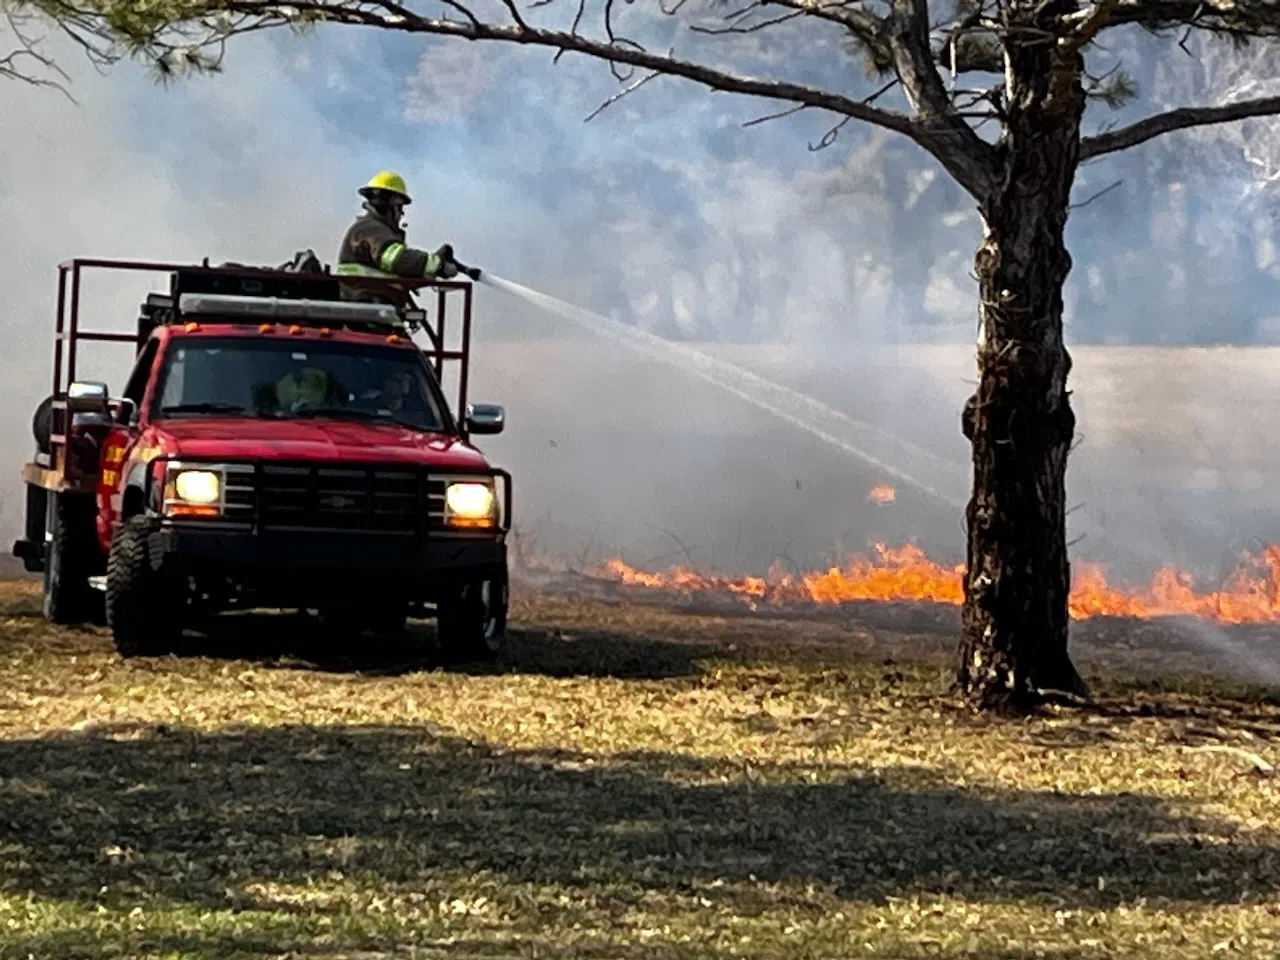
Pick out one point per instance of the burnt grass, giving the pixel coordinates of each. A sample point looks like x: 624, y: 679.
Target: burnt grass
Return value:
x: 629, y: 780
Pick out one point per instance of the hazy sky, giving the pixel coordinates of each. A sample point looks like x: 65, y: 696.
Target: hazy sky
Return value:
x: 663, y: 210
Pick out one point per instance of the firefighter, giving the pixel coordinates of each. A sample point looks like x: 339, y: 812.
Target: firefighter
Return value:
x: 374, y: 245
x: 309, y: 388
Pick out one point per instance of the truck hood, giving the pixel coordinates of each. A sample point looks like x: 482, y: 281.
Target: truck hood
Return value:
x: 239, y: 438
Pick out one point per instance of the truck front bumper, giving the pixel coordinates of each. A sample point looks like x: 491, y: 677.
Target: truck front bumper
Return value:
x: 289, y: 565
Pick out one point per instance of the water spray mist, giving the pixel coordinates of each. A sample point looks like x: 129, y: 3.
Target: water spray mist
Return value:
x: 901, y: 459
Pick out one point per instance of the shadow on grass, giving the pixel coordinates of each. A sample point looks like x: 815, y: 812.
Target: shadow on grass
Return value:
x: 292, y: 640
x: 289, y: 639
x: 121, y: 817
x: 67, y: 944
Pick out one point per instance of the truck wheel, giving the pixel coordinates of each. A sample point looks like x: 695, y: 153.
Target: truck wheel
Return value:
x: 472, y: 624
x: 42, y: 425
x: 144, y: 605
x: 72, y: 556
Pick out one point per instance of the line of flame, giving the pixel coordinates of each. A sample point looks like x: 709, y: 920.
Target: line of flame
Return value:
x: 905, y: 573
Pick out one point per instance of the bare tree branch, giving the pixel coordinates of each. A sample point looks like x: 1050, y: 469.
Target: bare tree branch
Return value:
x: 1097, y: 196
x: 466, y: 12
x: 882, y: 91
x: 1088, y: 27
x: 957, y: 147
x: 833, y: 133
x: 938, y: 128
x: 1180, y: 119
x: 856, y: 21
x: 790, y: 111
x: 1067, y: 60
x: 971, y: 44
x: 515, y: 12
x: 1253, y: 18
x: 628, y: 89
x: 829, y: 137
x: 25, y: 62
x: 748, y: 28
x: 22, y: 65
x: 972, y: 54
x: 577, y: 20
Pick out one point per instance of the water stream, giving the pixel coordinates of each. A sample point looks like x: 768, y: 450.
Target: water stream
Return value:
x: 899, y: 458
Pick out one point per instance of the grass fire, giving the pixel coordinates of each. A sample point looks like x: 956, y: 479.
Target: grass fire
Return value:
x: 905, y: 573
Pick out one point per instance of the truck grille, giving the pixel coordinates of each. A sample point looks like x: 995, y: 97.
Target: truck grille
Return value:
x: 358, y: 497
x: 435, y: 501
x: 339, y: 498
x: 238, y: 498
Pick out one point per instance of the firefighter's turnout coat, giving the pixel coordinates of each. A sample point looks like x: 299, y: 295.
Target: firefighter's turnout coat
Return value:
x: 373, y: 247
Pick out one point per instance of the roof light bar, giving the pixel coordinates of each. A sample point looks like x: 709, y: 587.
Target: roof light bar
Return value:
x: 284, y: 310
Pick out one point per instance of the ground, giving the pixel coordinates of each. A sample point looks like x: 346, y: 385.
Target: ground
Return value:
x: 630, y: 781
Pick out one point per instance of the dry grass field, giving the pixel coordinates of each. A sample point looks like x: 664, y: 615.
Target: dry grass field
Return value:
x: 628, y: 782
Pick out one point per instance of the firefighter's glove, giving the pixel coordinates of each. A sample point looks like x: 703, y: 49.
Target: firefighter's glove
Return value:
x: 448, y: 267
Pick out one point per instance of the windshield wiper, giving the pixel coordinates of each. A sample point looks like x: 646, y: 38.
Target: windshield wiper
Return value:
x: 202, y: 408
x: 357, y: 414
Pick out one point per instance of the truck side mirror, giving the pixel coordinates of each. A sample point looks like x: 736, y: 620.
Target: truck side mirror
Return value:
x: 485, y: 418
x: 128, y: 412
x: 87, y: 396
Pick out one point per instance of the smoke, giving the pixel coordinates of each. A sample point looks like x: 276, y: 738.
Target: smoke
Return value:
x: 841, y: 274
x: 903, y: 461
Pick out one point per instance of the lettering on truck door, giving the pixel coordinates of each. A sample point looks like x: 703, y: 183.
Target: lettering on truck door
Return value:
x: 119, y: 452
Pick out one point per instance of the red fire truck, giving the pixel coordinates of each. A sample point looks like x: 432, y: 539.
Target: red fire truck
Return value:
x: 279, y: 443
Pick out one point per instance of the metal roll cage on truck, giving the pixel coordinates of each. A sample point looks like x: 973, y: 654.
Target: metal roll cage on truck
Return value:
x: 279, y: 443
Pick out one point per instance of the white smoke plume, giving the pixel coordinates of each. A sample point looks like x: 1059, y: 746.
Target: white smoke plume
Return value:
x: 842, y: 273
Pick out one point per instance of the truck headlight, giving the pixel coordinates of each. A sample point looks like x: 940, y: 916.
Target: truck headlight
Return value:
x: 198, y: 486
x: 193, y: 491
x: 470, y: 504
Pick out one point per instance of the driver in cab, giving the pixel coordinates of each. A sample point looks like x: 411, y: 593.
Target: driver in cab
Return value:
x: 394, y: 397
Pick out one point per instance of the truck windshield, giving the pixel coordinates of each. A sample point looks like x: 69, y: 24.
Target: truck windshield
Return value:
x: 274, y: 378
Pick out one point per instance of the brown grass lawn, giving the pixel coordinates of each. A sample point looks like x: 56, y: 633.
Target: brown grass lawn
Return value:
x: 629, y: 782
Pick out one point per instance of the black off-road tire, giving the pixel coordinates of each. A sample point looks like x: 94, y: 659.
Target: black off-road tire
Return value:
x: 72, y: 556
x: 42, y: 425
x: 472, y: 624
x: 144, y: 604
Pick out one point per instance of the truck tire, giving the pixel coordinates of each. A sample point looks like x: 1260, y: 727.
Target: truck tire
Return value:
x: 35, y: 521
x: 144, y: 604
x: 72, y: 556
x: 472, y: 623
x: 42, y: 425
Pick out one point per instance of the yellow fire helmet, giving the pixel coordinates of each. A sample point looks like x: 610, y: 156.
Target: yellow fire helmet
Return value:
x: 387, y: 181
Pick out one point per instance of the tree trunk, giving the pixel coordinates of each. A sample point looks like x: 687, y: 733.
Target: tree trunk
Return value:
x: 1019, y: 422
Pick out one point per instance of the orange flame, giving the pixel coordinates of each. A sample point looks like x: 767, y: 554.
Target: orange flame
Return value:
x: 882, y: 493
x: 905, y: 573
